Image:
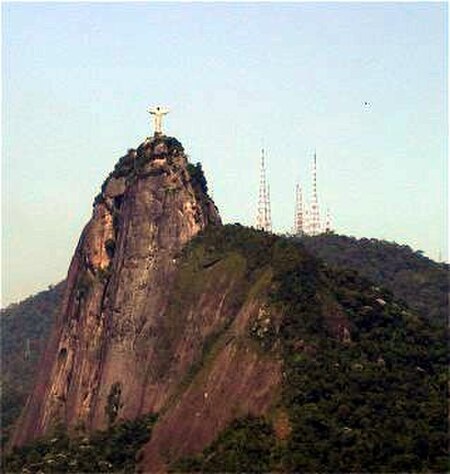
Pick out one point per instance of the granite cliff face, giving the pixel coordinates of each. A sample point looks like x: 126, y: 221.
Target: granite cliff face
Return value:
x: 137, y: 322
x: 105, y: 360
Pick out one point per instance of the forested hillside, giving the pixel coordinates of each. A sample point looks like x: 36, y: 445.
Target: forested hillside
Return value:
x: 112, y: 450
x: 412, y: 277
x: 24, y: 330
x: 370, y: 400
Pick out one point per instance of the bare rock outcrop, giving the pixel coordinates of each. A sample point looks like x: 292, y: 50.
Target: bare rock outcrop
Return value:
x: 104, y: 358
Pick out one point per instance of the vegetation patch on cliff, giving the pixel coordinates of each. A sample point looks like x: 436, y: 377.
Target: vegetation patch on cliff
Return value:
x: 198, y: 177
x: 246, y: 446
x: 113, y: 404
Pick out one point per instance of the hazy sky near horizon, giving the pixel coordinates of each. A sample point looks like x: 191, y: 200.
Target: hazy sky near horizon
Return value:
x: 78, y: 78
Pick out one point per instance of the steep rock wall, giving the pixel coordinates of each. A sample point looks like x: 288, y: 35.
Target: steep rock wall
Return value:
x: 103, y: 360
x: 238, y: 377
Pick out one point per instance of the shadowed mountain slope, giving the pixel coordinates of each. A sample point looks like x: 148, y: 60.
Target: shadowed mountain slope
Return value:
x: 419, y: 281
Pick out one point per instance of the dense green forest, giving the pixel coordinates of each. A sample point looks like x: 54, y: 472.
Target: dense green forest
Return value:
x: 375, y: 403
x: 112, y: 450
x: 412, y: 277
x: 25, y: 328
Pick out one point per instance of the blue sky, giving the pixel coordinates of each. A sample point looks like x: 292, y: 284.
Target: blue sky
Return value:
x: 78, y: 78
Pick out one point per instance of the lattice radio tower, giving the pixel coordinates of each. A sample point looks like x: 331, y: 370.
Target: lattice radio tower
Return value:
x: 263, y: 219
x: 327, y: 226
x: 314, y: 215
x: 299, y: 222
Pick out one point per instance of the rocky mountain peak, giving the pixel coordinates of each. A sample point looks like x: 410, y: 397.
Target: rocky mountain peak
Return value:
x: 118, y: 284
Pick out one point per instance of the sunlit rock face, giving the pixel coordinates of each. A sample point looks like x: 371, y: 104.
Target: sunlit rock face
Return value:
x: 104, y: 360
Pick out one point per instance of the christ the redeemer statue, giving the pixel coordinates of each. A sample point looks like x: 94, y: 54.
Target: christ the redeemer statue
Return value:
x: 158, y: 113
